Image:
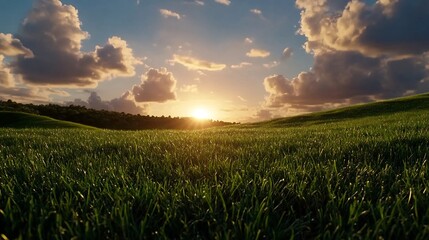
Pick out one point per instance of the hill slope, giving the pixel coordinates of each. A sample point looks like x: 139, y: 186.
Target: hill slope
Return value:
x: 405, y: 104
x: 26, y: 120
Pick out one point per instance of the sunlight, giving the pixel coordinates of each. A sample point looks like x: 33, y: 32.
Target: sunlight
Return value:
x: 201, y: 113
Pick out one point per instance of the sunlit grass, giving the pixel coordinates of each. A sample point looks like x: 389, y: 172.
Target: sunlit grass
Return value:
x: 363, y: 178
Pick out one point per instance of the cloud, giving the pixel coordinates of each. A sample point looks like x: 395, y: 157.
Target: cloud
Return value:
x: 157, y: 86
x: 256, y: 12
x: 10, y: 46
x: 272, y: 64
x: 248, y: 40
x: 201, y: 3
x: 287, y: 53
x: 125, y: 103
x: 255, y: 53
x: 168, y: 13
x: 53, y: 33
x: 197, y: 64
x: 195, y: 2
x: 6, y: 78
x: 388, y: 27
x: 189, y: 88
x: 361, y: 52
x: 224, y: 2
x: 263, y: 115
x: 30, y: 94
x: 241, y: 65
x: 345, y: 77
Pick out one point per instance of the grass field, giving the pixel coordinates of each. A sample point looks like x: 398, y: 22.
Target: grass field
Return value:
x: 361, y: 174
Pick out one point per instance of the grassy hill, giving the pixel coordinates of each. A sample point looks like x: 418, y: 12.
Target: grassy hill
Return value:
x: 27, y: 120
x: 360, y: 172
x: 382, y: 108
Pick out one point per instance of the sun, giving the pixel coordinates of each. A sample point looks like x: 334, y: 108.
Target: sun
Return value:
x: 201, y: 113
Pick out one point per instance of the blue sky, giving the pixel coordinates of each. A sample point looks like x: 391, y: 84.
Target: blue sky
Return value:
x: 224, y: 56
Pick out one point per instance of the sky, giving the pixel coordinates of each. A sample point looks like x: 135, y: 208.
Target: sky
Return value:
x: 235, y: 60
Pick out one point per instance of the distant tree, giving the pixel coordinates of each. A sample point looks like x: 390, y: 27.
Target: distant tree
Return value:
x: 108, y: 119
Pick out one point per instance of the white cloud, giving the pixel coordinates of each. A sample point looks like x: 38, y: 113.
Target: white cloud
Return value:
x: 168, y: 13
x: 271, y: 64
x: 224, y: 2
x: 256, y: 11
x: 197, y: 64
x: 254, y: 53
x: 241, y: 65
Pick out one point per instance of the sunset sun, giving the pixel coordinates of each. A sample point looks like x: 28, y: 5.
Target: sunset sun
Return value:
x: 201, y: 113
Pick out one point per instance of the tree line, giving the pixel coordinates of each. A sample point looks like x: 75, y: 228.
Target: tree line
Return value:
x: 109, y: 119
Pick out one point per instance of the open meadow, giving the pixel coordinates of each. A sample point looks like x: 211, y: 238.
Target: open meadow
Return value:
x: 360, y: 177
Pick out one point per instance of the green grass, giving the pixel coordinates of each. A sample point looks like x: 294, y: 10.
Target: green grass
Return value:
x: 26, y: 120
x: 381, y: 108
x: 366, y: 177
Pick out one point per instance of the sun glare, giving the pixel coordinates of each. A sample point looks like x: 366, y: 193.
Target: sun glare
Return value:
x: 201, y: 113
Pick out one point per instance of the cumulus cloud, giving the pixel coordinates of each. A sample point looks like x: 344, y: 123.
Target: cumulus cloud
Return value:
x: 361, y: 52
x: 258, y: 53
x: 11, y: 46
x: 6, y: 78
x: 224, y: 2
x: 168, y: 13
x: 125, y: 103
x: 388, y: 27
x: 241, y: 65
x: 341, y: 77
x: 158, y: 85
x: 197, y: 64
x: 53, y: 32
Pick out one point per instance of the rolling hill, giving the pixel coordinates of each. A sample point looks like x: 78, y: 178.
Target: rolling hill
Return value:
x: 381, y: 108
x: 27, y: 120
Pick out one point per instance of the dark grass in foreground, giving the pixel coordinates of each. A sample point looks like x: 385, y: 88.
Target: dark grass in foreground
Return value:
x: 362, y: 178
